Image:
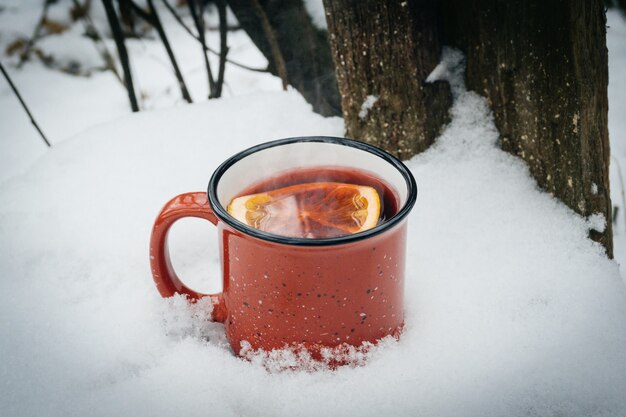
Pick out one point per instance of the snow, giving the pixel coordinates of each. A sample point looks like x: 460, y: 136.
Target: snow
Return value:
x: 438, y: 73
x: 65, y: 47
x: 74, y: 111
x: 510, y: 309
x: 368, y: 103
x: 315, y: 9
x: 450, y: 69
x: 281, y: 360
x: 615, y: 35
x: 597, y: 222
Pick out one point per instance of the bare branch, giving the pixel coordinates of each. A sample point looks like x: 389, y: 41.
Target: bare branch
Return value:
x: 94, y: 33
x: 118, y: 36
x: 277, y: 55
x: 214, y: 52
x: 19, y: 97
x: 156, y: 22
x: 139, y: 11
x: 197, y: 13
x: 221, y: 11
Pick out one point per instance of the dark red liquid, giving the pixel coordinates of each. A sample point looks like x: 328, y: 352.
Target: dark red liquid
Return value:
x: 389, y: 199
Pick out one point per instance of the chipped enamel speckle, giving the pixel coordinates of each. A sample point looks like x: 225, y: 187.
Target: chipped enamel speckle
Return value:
x: 312, y: 296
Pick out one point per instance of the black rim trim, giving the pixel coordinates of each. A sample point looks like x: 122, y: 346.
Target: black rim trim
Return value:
x: 223, y: 215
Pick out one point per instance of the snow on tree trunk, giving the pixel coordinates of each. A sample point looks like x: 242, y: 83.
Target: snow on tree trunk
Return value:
x: 541, y: 64
x: 383, y: 52
x: 543, y: 67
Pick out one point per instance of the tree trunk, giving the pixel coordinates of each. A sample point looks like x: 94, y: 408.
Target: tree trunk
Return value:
x: 383, y: 52
x: 304, y: 48
x: 543, y: 67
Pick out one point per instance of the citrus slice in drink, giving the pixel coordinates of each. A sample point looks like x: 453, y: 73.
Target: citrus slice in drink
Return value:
x: 311, y: 210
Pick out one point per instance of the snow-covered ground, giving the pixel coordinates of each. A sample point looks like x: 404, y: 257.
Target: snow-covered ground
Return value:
x: 65, y: 105
x: 511, y: 310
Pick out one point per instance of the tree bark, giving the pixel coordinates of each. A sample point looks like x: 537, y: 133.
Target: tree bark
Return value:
x: 543, y: 67
x: 304, y: 48
x: 383, y: 52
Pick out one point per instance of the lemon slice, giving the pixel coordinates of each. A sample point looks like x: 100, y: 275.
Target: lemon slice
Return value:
x: 311, y: 210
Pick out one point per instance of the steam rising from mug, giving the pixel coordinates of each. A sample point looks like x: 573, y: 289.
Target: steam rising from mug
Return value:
x: 271, y: 161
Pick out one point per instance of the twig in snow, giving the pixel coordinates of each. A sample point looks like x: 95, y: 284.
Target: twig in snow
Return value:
x: 270, y: 35
x: 19, y: 97
x: 118, y: 36
x: 209, y: 49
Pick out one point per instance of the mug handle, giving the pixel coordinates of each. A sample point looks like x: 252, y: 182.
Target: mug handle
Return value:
x: 184, y: 205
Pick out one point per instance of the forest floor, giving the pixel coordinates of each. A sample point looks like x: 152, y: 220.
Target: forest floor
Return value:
x: 510, y: 308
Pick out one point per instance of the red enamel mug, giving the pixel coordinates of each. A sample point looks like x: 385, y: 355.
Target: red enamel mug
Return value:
x: 290, y: 292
